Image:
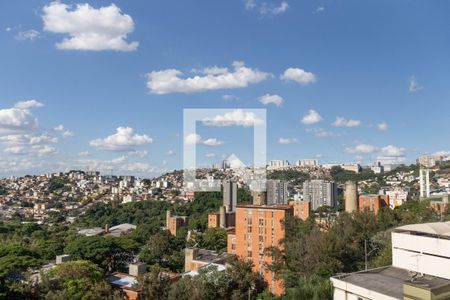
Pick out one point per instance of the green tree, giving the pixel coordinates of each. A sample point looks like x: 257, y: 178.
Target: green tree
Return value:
x: 77, y: 280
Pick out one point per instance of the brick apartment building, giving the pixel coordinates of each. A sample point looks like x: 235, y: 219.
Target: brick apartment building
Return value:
x: 373, y: 203
x: 259, y: 227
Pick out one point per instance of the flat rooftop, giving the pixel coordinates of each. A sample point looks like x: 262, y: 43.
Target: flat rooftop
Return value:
x: 210, y: 256
x: 389, y: 280
x: 274, y: 206
x: 434, y: 229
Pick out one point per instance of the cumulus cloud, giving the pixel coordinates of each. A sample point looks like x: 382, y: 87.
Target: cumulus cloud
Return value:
x: 271, y: 99
x: 322, y: 133
x: 30, y: 35
x: 414, y: 85
x: 311, y: 118
x: 171, y: 153
x: 298, y: 75
x: 68, y: 133
x: 84, y: 154
x: 388, y: 154
x: 65, y: 133
x: 19, y: 117
x: 229, y: 97
x: 209, y: 155
x: 319, y: 9
x: 382, y: 126
x: 137, y: 153
x: 266, y: 8
x: 123, y: 140
x: 89, y: 28
x: 27, y: 104
x: 270, y: 9
x: 120, y: 164
x: 343, y: 122
x: 214, y: 78
x: 393, y: 151
x: 361, y: 149
x: 37, y: 150
x: 193, y: 138
x: 60, y: 127
x: 287, y: 141
x: 237, y: 117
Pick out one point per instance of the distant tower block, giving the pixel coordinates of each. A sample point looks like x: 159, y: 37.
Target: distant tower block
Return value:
x: 424, y: 181
x: 168, y: 216
x: 351, y: 196
x: 229, y: 195
x: 223, y: 216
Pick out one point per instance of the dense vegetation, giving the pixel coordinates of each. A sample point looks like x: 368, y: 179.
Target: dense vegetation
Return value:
x: 311, y: 254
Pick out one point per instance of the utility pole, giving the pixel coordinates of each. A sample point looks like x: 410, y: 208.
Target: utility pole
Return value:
x: 365, y: 254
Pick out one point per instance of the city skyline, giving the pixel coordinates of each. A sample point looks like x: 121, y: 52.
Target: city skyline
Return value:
x: 341, y: 82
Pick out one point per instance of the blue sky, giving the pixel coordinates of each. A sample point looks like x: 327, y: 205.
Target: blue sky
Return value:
x: 382, y: 66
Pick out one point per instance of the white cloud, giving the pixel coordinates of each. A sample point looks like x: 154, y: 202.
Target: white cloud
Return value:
x: 171, y: 153
x: 68, y: 133
x: 27, y: 139
x: 361, y: 149
x: 7, y: 29
x: 266, y: 8
x: 382, y: 126
x: 89, y: 28
x: 342, y: 122
x: 209, y: 155
x: 319, y: 9
x: 197, y: 139
x: 123, y: 140
x: 414, y: 85
x: 298, y: 75
x: 119, y: 164
x: 36, y: 150
x: 60, y: 127
x: 27, y: 104
x: 16, y: 119
x: 137, y: 153
x: 270, y: 9
x: 30, y: 35
x: 322, y: 133
x: 169, y: 81
x: 274, y: 99
x: 235, y: 118
x: 311, y: 118
x: 392, y: 151
x: 84, y: 154
x: 287, y: 141
x: 230, y: 97
x: 41, y: 139
x: 65, y: 133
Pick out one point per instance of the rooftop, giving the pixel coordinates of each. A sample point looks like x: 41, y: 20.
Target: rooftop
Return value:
x: 439, y: 229
x: 122, y: 280
x: 275, y: 206
x: 389, y: 280
x: 210, y: 256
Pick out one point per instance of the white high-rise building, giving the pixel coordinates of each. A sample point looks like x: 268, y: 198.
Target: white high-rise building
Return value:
x: 278, y: 164
x: 307, y: 163
x: 424, y: 181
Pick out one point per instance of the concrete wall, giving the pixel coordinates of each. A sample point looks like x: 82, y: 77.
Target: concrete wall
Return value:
x: 421, y: 254
x: 348, y: 291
